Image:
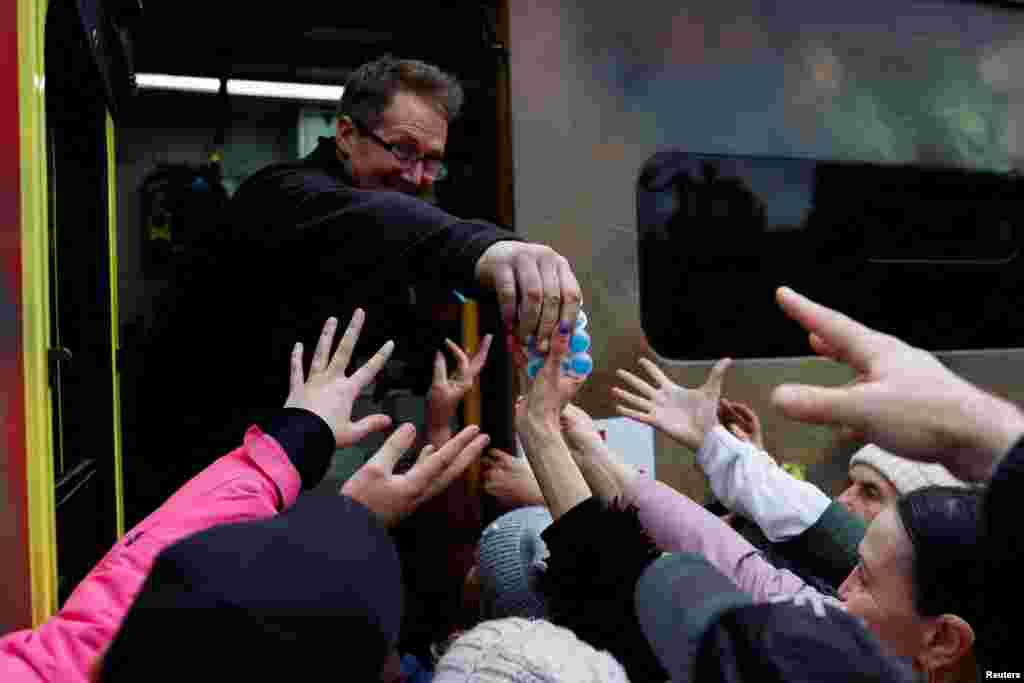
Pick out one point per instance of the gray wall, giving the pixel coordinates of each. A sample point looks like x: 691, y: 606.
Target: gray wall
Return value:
x: 598, y: 87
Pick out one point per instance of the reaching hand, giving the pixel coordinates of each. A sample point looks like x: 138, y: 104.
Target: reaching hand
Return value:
x: 742, y: 421
x: 550, y: 391
x: 580, y: 430
x: 393, y: 496
x: 510, y: 480
x: 535, y: 285
x: 328, y: 392
x: 903, y: 399
x: 687, y: 415
x: 446, y: 391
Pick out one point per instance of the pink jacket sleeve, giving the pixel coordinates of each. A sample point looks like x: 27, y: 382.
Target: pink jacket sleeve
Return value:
x: 678, y: 524
x: 254, y: 481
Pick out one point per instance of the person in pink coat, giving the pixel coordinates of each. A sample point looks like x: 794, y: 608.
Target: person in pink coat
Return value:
x: 259, y: 479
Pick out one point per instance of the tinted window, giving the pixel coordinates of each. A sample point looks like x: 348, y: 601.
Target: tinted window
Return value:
x: 927, y: 253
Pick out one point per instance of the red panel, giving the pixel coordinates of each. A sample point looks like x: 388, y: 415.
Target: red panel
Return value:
x: 15, y: 599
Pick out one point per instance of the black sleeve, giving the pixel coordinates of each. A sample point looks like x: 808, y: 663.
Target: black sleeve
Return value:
x: 1003, y: 541
x: 362, y: 232
x: 307, y: 440
x: 597, y: 556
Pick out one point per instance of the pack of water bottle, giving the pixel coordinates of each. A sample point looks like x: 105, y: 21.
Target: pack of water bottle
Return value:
x: 577, y: 362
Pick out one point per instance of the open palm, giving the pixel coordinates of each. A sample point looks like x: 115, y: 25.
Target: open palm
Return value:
x: 686, y: 415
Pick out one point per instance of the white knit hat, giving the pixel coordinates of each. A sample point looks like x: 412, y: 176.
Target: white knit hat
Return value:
x: 511, y: 559
x: 905, y: 475
x: 534, y: 650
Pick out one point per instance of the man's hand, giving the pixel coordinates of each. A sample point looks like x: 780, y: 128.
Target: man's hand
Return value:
x: 903, y: 399
x: 687, y: 415
x: 328, y: 392
x: 394, y: 496
x: 742, y: 421
x: 536, y: 288
x: 446, y: 391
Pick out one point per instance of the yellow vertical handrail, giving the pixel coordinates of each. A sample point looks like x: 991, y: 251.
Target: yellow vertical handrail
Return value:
x: 471, y: 404
x: 114, y: 326
x: 35, y: 301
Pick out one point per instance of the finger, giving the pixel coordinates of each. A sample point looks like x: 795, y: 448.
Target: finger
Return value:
x: 713, y: 385
x: 392, y: 449
x: 633, y: 400
x: 342, y: 357
x: 455, y: 467
x: 461, y: 359
x: 497, y: 454
x: 636, y: 383
x: 480, y: 357
x: 551, y: 303
x: 845, y: 336
x: 365, y: 374
x: 822, y: 348
x: 519, y: 357
x: 531, y: 295
x: 440, y: 369
x: 323, y: 346
x: 296, y: 379
x: 739, y: 433
x: 572, y: 295
x: 429, y: 465
x: 368, y: 425
x: 546, y: 379
x: 634, y: 415
x: 655, y: 372
x: 817, y: 405
x: 744, y: 412
x: 505, y: 288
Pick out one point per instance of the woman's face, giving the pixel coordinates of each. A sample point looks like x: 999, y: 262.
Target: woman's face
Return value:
x: 880, y: 588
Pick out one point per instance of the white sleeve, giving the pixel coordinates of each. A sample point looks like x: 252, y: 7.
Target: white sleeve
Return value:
x: 747, y: 481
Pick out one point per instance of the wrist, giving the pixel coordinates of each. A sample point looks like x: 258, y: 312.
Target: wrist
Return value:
x: 991, y: 428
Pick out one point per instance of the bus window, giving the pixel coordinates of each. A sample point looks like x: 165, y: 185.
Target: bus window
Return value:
x: 930, y: 254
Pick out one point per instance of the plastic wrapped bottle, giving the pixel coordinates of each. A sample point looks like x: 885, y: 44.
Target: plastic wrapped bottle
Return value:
x: 578, y: 362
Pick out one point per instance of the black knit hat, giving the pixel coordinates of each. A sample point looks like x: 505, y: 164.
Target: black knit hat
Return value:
x: 316, y: 586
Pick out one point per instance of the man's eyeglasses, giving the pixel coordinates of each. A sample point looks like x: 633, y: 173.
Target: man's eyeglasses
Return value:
x: 406, y: 154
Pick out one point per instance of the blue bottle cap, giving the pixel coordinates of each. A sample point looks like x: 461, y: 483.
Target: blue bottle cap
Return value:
x: 582, y: 364
x: 580, y: 342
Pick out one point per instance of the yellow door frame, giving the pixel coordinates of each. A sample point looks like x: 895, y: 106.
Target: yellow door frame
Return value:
x: 35, y: 305
x: 35, y: 300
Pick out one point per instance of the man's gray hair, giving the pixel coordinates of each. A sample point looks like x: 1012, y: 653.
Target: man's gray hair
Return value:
x: 370, y: 89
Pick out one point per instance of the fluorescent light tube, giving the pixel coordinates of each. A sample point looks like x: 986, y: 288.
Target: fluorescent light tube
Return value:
x: 186, y: 83
x: 290, y: 91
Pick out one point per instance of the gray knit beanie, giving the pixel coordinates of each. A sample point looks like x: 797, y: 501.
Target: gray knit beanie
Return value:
x: 906, y: 475
x: 533, y: 650
x: 512, y: 557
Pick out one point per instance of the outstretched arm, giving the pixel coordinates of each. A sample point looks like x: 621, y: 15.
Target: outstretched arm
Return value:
x: 904, y: 399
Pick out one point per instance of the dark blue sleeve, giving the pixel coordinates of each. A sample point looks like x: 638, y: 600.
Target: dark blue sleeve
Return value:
x: 1003, y: 544
x: 307, y: 440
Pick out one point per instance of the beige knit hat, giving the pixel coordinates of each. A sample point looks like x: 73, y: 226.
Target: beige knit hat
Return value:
x: 534, y: 650
x: 905, y: 475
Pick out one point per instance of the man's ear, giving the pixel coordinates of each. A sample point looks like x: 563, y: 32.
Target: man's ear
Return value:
x: 948, y: 639
x: 343, y: 132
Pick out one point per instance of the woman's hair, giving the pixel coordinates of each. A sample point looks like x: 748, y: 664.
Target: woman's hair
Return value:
x: 942, y: 523
x: 370, y: 89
